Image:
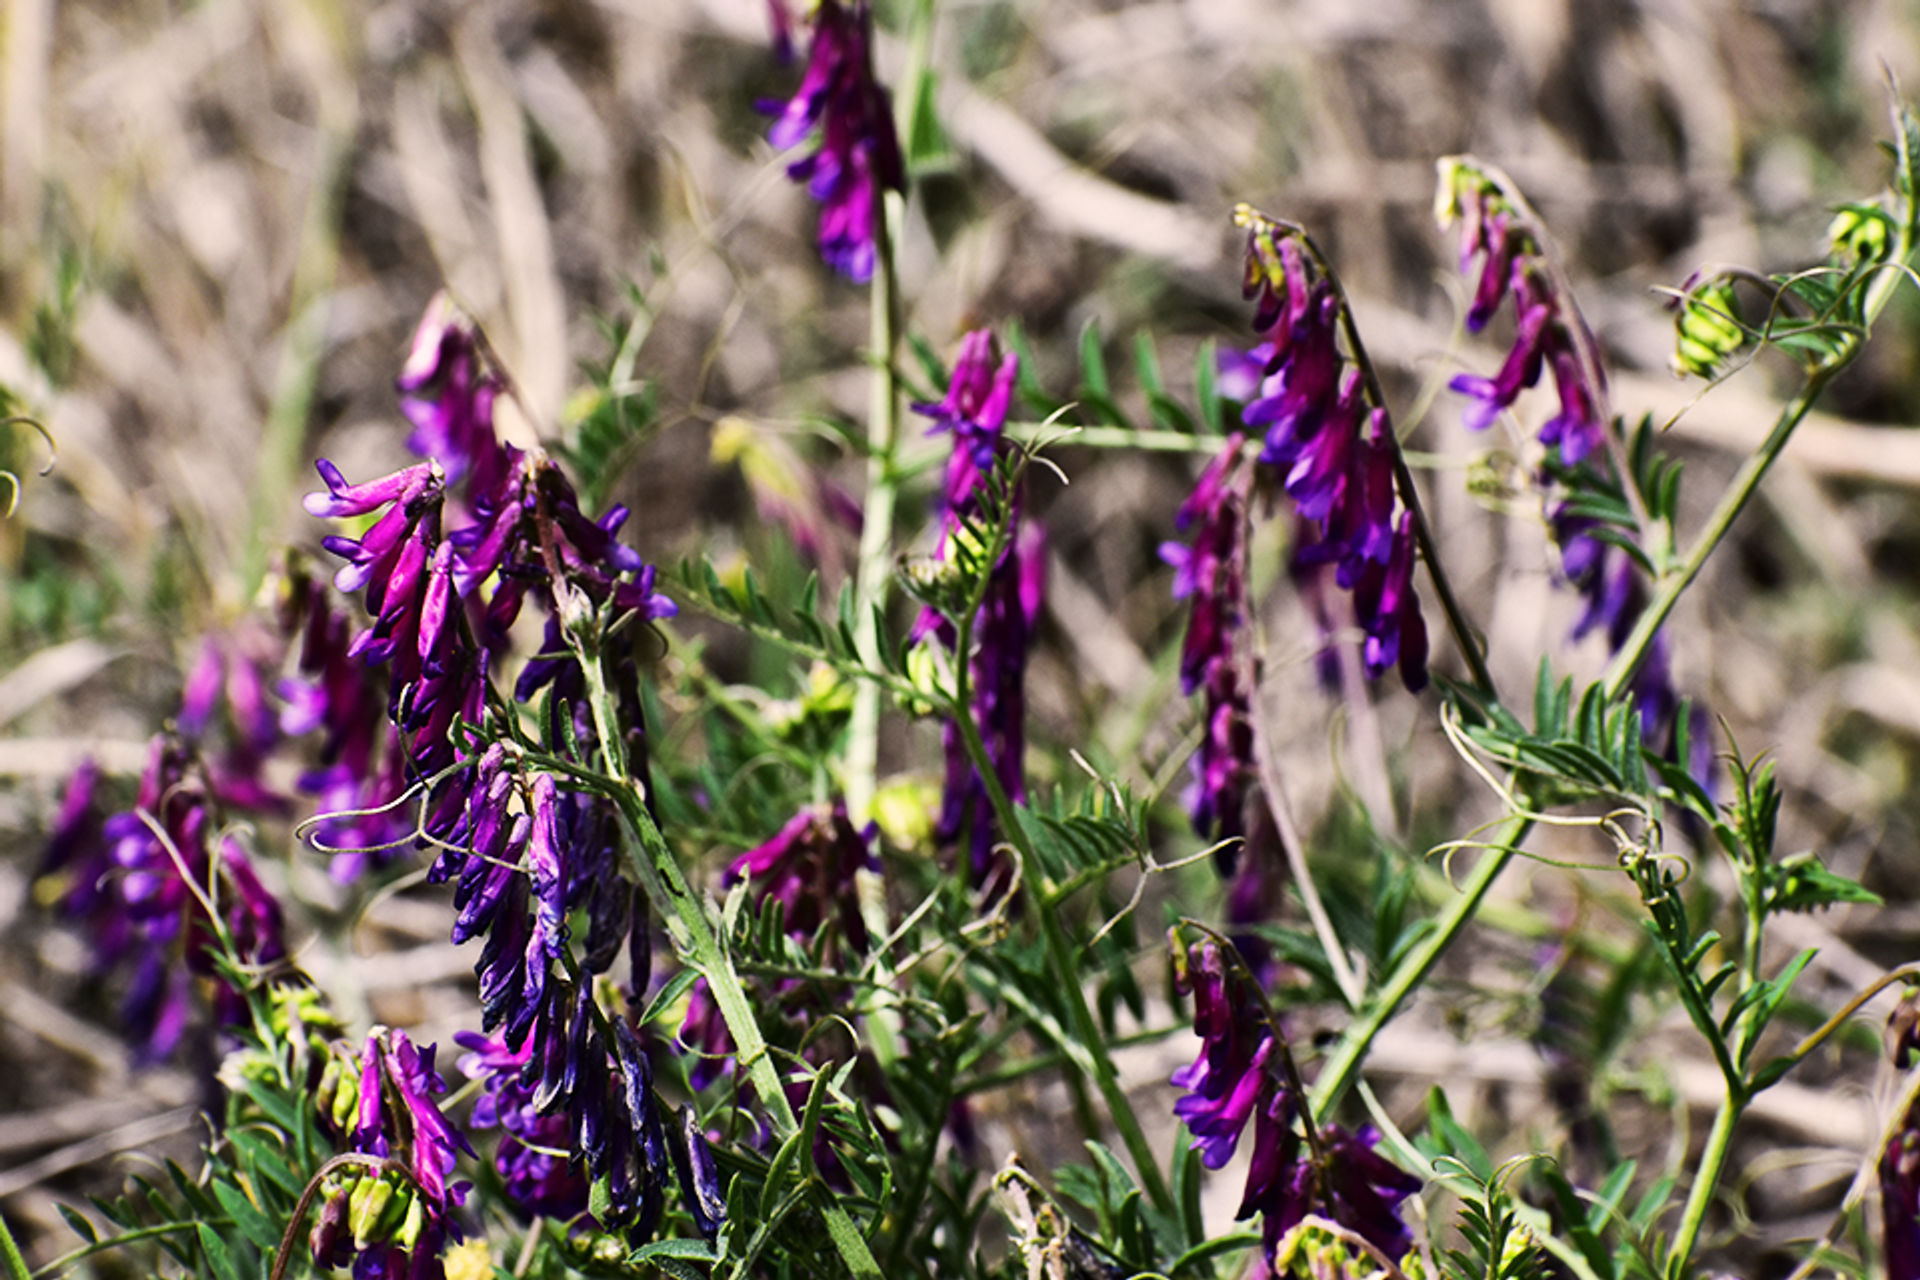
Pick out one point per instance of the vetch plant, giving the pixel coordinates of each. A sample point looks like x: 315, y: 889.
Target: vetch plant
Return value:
x: 766, y: 983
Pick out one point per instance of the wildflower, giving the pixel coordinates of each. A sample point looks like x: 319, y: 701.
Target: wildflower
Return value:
x: 809, y: 867
x: 1338, y: 1175
x: 394, y: 1219
x: 144, y: 882
x: 1550, y: 332
x: 1900, y: 1198
x: 1211, y: 572
x: 1332, y: 448
x: 448, y: 393
x: 974, y: 413
x: 539, y: 1180
x: 857, y: 156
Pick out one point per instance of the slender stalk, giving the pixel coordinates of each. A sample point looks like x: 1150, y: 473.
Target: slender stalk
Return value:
x: 1065, y: 971
x: 875, y: 567
x: 1343, y: 1066
x: 1713, y: 1161
x: 1739, y: 491
x: 654, y: 865
x: 874, y: 571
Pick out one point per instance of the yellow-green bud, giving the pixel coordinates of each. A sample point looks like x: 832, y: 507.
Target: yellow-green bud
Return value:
x: 411, y: 1222
x: 364, y: 1207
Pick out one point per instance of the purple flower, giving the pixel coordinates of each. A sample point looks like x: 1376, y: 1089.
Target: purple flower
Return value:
x: 809, y: 867
x: 1900, y: 1198
x: 1334, y: 451
x: 540, y: 1180
x: 1211, y: 573
x: 857, y: 154
x: 1232, y: 1078
x: 974, y: 412
x: 448, y: 395
x: 1235, y: 1080
x: 139, y: 881
x: 396, y: 1119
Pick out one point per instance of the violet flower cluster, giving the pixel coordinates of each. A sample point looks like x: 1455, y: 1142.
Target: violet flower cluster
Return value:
x: 1550, y: 333
x: 392, y: 1215
x: 155, y: 887
x: 974, y: 413
x: 524, y: 854
x: 1333, y: 448
x: 1900, y: 1198
x: 857, y: 155
x: 1211, y: 573
x: 1236, y: 1078
x: 811, y: 868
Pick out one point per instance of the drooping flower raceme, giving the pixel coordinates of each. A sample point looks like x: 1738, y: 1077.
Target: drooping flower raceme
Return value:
x: 1236, y: 1079
x: 526, y: 852
x: 857, y: 154
x: 1332, y: 447
x: 1499, y: 232
x: 156, y: 887
x: 974, y: 413
x: 1210, y: 572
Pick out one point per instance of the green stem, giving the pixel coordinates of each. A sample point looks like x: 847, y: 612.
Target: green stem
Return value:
x: 1065, y: 971
x: 654, y: 865
x: 1712, y: 1162
x: 1739, y: 491
x: 59, y: 1265
x: 1343, y: 1066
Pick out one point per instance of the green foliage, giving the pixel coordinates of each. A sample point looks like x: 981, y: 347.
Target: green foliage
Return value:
x: 1498, y: 1246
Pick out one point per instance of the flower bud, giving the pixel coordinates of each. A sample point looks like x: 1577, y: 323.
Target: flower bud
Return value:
x: 366, y: 1203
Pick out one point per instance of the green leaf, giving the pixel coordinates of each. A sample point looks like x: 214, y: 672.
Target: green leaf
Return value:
x: 1206, y: 387
x: 219, y: 1256
x: 1453, y: 1139
x: 927, y: 147
x: 253, y: 1224
x: 78, y: 1221
x: 1093, y: 363
x: 1802, y: 884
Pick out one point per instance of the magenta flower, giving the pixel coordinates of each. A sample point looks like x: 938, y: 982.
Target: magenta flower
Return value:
x: 1900, y: 1199
x: 974, y: 413
x: 1236, y: 1080
x: 394, y: 1117
x: 447, y: 393
x: 810, y: 867
x: 538, y: 1181
x: 138, y: 883
x: 1211, y: 574
x: 857, y: 155
x: 1333, y: 450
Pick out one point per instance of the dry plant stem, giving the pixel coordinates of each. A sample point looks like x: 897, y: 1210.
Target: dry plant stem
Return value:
x: 653, y: 864
x: 1352, y: 988
x: 874, y: 571
x: 875, y: 567
x: 1066, y: 971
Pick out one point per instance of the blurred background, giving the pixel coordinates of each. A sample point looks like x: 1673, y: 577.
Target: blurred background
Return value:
x: 219, y: 222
